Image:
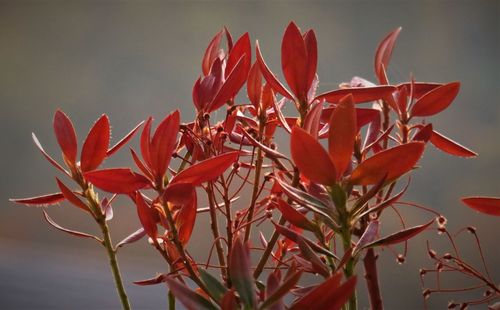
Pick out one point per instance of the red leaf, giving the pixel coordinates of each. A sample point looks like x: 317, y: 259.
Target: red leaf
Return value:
x: 240, y: 272
x: 163, y: 144
x: 294, y: 61
x: 419, y: 88
x: 69, y: 231
x: 191, y: 300
x: 50, y: 159
x: 310, y: 157
x: 254, y: 85
x: 449, y: 146
x: 117, y: 180
x: 71, y: 197
x: 280, y: 116
x: 269, y: 76
x: 96, y: 145
x: 342, y: 135
x: 294, y: 217
x: 276, y: 295
x: 327, y: 295
x: 66, y: 136
x: 360, y: 94
x: 384, y: 52
x: 391, y: 163
x: 436, y: 100
x: 312, y: 121
x: 228, y: 301
x: 399, y: 236
x: 44, y: 200
x: 206, y: 170
x: 488, y: 205
x: 231, y: 85
x: 211, y: 53
x: 368, y: 236
x: 124, y: 140
x: 424, y: 134
x: 241, y: 48
x: 312, y: 56
x: 183, y: 196
x: 146, y: 217
x: 146, y: 142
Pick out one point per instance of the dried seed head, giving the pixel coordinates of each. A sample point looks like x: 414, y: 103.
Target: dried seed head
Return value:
x: 422, y: 272
x: 432, y: 253
x: 448, y: 256
x: 464, y: 306
x: 471, y: 229
x: 439, y: 267
x: 442, y: 221
x: 236, y: 165
x: 273, y: 146
x: 441, y: 230
x: 206, y: 116
x: 426, y: 293
x: 452, y: 305
x: 401, y: 259
x: 487, y: 293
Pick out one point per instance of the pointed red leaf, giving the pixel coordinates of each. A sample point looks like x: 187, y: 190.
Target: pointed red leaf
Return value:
x: 231, y: 85
x: 312, y: 121
x: 96, y: 145
x: 310, y: 157
x: 146, y: 142
x: 399, y: 236
x: 71, y: 197
x: 146, y: 216
x: 368, y: 236
x: 44, y: 200
x: 327, y: 295
x: 211, y: 53
x: 69, y: 231
x: 183, y: 196
x: 281, y: 118
x: 419, y: 88
x: 241, y: 47
x: 424, y: 134
x: 276, y: 295
x: 240, y: 272
x: 342, y: 135
x: 141, y: 165
x: 436, y: 100
x: 254, y: 85
x: 312, y: 56
x: 488, y: 205
x: 449, y: 146
x: 294, y: 217
x: 117, y: 180
x: 384, y: 52
x: 124, y: 140
x: 66, y: 136
x: 163, y: 144
x: 228, y: 301
x: 294, y: 61
x: 190, y: 299
x: 206, y: 170
x: 269, y: 76
x: 360, y: 94
x: 50, y: 159
x: 392, y: 163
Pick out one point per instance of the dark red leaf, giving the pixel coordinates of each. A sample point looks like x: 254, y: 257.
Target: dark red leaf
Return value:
x: 146, y: 142
x: 449, y: 146
x: 117, y: 180
x: 71, y: 197
x: 488, y: 205
x: 399, y: 236
x: 133, y: 237
x: 281, y: 118
x: 183, y: 196
x: 123, y: 141
x: 424, y: 134
x: 419, y: 88
x: 342, y: 135
x: 190, y: 299
x: 66, y: 136
x: 44, y: 200
x: 276, y: 295
x: 228, y: 301
x: 360, y: 94
x: 312, y: 121
x: 294, y: 61
x: 231, y: 85
x: 310, y: 157
x: 294, y: 217
x: 391, y: 163
x: 312, y: 56
x: 69, y: 231
x: 327, y: 295
x: 241, y: 47
x: 206, y: 170
x: 384, y: 52
x: 269, y: 76
x: 436, y: 100
x: 146, y: 216
x: 96, y: 145
x: 368, y: 236
x: 240, y: 272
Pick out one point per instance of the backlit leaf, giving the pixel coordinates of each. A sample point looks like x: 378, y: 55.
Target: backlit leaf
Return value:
x: 66, y: 136
x: 399, y: 236
x: 436, y: 100
x: 449, y: 146
x: 240, y: 272
x: 269, y: 76
x: 384, y: 53
x: 124, y: 140
x: 71, y: 197
x: 359, y: 94
x: 96, y: 145
x: 146, y: 218
x: 44, y: 200
x: 206, y: 170
x: 294, y: 61
x: 69, y: 231
x: 117, y: 180
x: 488, y: 205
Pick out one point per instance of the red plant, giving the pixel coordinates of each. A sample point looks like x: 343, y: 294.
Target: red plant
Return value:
x: 316, y: 199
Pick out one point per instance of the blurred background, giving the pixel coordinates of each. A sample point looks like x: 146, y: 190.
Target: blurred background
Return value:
x: 132, y: 59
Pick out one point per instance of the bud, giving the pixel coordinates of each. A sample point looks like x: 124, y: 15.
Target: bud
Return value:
x: 471, y: 229
x: 400, y: 259
x: 426, y: 293
x: 452, y: 305
x: 422, y: 272
x: 432, y: 253
x: 448, y: 256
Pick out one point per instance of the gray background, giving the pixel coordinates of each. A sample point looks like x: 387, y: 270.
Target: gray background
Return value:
x: 139, y: 58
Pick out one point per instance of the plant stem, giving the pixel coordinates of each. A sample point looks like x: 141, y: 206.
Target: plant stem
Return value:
x: 114, y: 266
x: 349, y: 268
x: 171, y: 301
x: 371, y: 277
